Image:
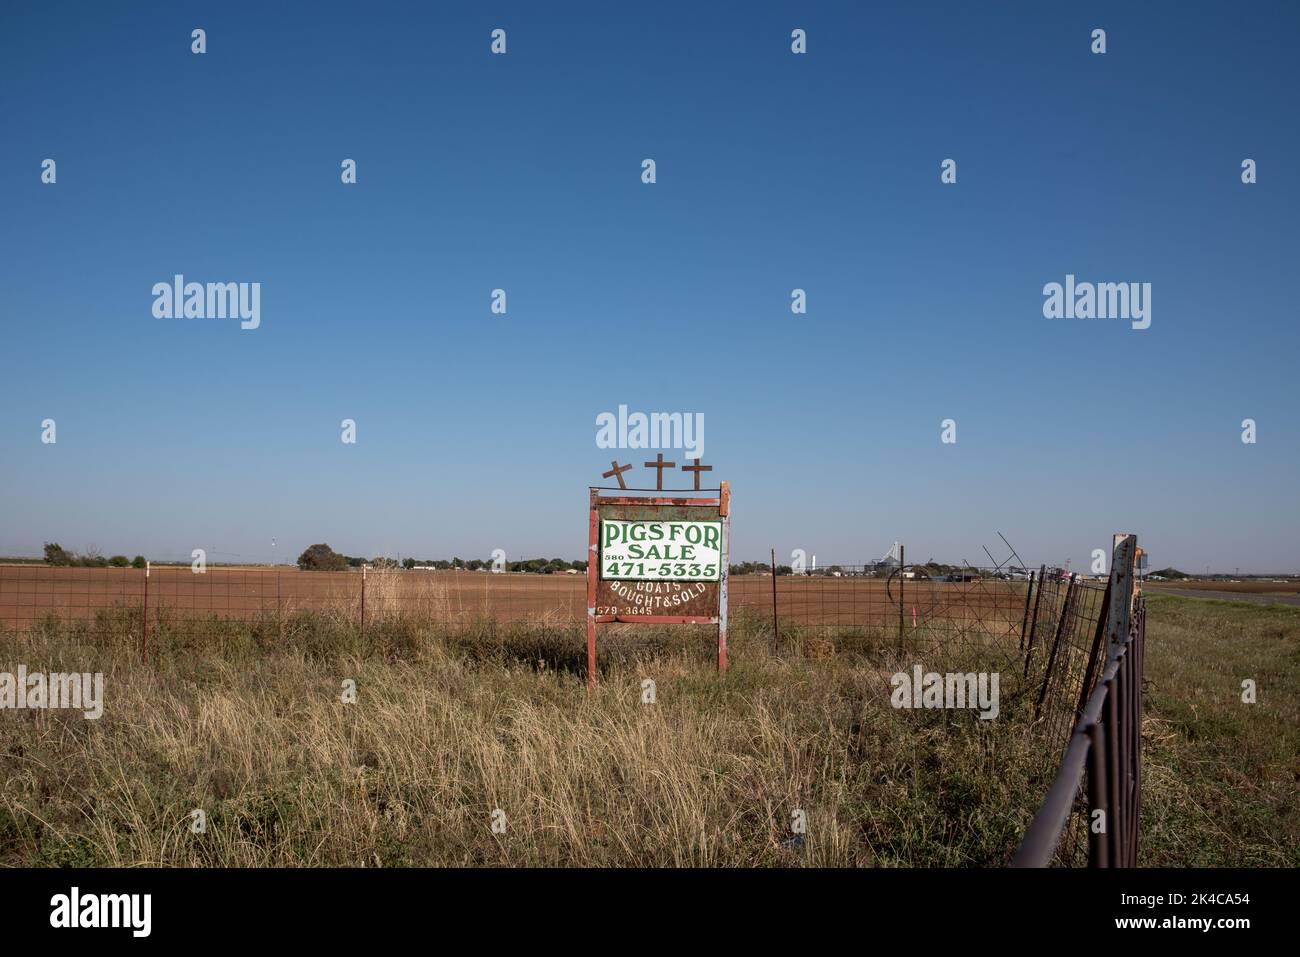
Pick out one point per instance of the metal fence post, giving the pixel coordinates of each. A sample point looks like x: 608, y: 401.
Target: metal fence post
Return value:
x: 724, y: 510
x: 363, y: 598
x: 902, y: 577
x: 776, y: 631
x: 145, y: 611
x: 1095, y: 660
x: 1033, y: 624
x: 1024, y: 620
x: 1061, y: 624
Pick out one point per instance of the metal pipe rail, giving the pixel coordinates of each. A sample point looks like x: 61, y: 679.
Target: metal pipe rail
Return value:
x: 1106, y: 743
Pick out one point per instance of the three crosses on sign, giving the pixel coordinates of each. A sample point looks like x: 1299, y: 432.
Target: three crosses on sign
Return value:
x: 658, y: 465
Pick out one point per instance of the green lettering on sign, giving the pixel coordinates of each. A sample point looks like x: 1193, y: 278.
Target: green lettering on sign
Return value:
x: 658, y: 550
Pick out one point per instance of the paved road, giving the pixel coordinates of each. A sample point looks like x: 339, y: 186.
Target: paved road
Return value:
x: 1293, y: 600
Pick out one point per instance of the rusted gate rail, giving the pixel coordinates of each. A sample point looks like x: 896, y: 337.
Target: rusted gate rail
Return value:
x: 1101, y: 772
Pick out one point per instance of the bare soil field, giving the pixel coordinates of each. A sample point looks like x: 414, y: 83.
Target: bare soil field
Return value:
x: 31, y: 592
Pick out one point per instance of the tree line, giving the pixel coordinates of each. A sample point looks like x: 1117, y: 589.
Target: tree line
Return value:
x: 321, y: 557
x: 57, y: 555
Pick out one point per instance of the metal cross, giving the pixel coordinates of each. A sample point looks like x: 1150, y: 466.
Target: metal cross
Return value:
x: 659, y: 465
x: 616, y: 472
x: 697, y: 468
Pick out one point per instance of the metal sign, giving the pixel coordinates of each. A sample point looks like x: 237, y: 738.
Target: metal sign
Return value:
x: 657, y: 561
x: 660, y: 551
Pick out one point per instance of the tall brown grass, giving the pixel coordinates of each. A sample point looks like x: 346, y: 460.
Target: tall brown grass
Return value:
x: 244, y: 721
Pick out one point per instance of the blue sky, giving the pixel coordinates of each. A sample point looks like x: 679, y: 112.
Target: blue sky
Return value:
x: 775, y: 171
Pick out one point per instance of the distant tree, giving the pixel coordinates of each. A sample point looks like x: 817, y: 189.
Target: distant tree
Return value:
x: 119, y: 561
x: 383, y: 562
x: 138, y: 562
x: 322, y: 558
x: 475, y: 564
x: 55, y: 555
x: 408, y: 563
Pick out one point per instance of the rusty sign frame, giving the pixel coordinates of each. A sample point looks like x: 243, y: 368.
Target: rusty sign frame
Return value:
x: 721, y: 506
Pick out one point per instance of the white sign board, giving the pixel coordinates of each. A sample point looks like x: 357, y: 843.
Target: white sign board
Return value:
x: 660, y: 551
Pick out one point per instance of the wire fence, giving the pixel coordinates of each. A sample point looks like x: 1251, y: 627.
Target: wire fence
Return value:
x: 1050, y: 634
x: 1036, y: 629
x: 32, y: 593
x: 982, y: 602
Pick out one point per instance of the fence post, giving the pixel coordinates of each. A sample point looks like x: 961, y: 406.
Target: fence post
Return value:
x: 1024, y: 620
x: 1061, y: 625
x: 724, y: 510
x: 1120, y: 759
x: 1033, y: 624
x: 363, y: 599
x: 1121, y: 599
x: 776, y: 632
x: 145, y: 609
x: 1095, y: 661
x: 902, y: 577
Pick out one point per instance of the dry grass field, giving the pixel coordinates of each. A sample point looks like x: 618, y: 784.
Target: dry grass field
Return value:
x: 445, y: 731
x: 244, y: 720
x: 1252, y: 586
